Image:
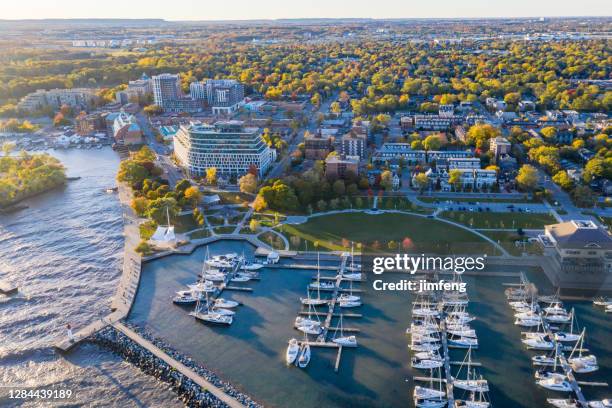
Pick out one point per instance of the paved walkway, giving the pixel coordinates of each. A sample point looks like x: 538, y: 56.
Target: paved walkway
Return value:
x: 178, y: 366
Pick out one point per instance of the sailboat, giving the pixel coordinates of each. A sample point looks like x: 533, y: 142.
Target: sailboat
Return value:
x: 553, y: 381
x: 313, y: 301
x: 318, y: 284
x: 582, y: 364
x: 210, y: 315
x: 563, y: 403
x: 353, y: 276
x: 430, y: 397
x: 470, y: 383
x: 349, y: 297
x: 345, y: 341
x: 308, y: 325
x: 473, y: 402
x: 226, y: 304
x: 292, y: 351
x: 568, y: 336
x: 303, y: 355
x: 602, y: 301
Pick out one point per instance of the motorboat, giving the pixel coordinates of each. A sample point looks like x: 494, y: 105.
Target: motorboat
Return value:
x: 428, y: 355
x: 240, y: 278
x: 528, y: 322
x: 473, y: 402
x: 214, y: 277
x: 563, y: 403
x: 543, y: 360
x: 604, y: 403
x: 292, y: 351
x: 252, y: 266
x: 427, y: 393
x: 305, y: 321
x: 345, y: 297
x: 463, y: 332
x: 423, y: 338
x: 555, y: 382
x: 348, y: 303
x: 463, y: 342
x: 314, y: 329
x: 304, y: 355
x: 350, y: 276
x: 538, y: 344
x: 203, y: 287
x: 426, y: 364
x: 313, y: 301
x: 558, y: 318
x: 431, y: 403
x: 187, y: 297
x: 221, y: 311
x: 322, y: 285
x: 226, y: 304
x: 584, y: 364
x: 555, y: 308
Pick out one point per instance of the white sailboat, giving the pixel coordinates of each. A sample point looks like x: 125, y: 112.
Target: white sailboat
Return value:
x: 318, y: 284
x: 563, y: 403
x: 553, y: 381
x: 430, y: 397
x: 304, y: 355
x: 292, y: 351
x: 582, y: 364
x: 211, y: 316
x: 313, y: 301
x: 349, y: 297
x: 473, y: 402
x: 570, y: 336
x: 471, y: 382
x: 345, y: 341
x: 308, y: 325
x: 226, y: 304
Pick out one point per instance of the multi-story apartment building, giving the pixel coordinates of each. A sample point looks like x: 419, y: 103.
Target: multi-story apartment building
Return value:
x: 228, y: 146
x: 317, y: 146
x: 463, y: 163
x: 341, y: 166
x: 80, y: 98
x: 166, y: 88
x: 581, y: 253
x: 88, y: 124
x: 435, y: 122
x: 499, y: 146
x: 353, y: 144
x: 224, y: 96
x: 395, y: 151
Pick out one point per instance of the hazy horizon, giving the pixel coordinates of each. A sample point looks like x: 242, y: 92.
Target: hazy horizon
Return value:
x: 193, y: 10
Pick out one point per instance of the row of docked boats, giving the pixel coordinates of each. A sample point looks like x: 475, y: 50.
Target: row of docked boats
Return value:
x: 553, y: 329
x: 434, y: 317
x: 217, y: 272
x: 310, y: 323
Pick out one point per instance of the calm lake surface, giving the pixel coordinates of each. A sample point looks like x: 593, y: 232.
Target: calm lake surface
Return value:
x: 250, y: 353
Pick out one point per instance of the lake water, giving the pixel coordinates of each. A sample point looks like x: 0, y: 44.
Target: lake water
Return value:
x: 250, y: 352
x: 64, y: 254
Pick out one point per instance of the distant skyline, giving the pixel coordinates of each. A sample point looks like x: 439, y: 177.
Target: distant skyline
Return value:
x: 278, y: 9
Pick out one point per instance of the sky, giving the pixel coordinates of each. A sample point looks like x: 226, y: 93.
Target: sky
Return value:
x: 274, y: 9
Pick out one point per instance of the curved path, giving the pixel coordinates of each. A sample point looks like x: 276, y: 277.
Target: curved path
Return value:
x: 303, y: 219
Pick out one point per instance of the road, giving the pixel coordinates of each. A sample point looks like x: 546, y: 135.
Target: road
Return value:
x: 280, y: 166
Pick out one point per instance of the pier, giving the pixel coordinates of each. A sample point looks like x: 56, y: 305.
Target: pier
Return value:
x: 447, y: 371
x: 322, y: 338
x: 178, y: 366
x: 558, y: 347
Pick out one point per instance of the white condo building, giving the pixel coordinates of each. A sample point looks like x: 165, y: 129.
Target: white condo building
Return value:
x: 227, y: 146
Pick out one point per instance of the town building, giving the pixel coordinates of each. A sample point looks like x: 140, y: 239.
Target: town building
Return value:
x: 463, y: 163
x: 337, y: 166
x: 581, y: 252
x: 446, y: 111
x: 87, y: 124
x: 124, y: 128
x: 396, y: 151
x: 224, y: 96
x: 435, y: 122
x: 353, y: 144
x: 526, y: 106
x: 228, y: 146
x: 317, y: 146
x: 166, y: 88
x: 76, y: 98
x: 499, y: 146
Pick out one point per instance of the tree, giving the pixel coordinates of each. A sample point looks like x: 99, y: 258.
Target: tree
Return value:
x: 454, y: 179
x: 339, y: 188
x: 7, y: 148
x: 139, y: 205
x: 386, y: 180
x: 598, y: 167
x: 432, y: 142
x: 260, y: 203
x: 422, y: 181
x: 211, y: 175
x: 583, y: 196
x: 335, y: 107
x: 549, y: 132
x: 254, y: 225
x: 193, y: 195
x: 131, y: 172
x: 479, y: 134
x: 153, y: 110
x: 248, y: 183
x: 563, y: 180
x: 527, y: 177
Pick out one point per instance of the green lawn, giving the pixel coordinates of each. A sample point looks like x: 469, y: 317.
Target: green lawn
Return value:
x: 184, y: 223
x: 383, y: 232
x: 507, y: 241
x: 203, y: 233
x: 272, y: 239
x: 224, y: 230
x: 500, y: 220
x: 235, y: 197
x: 215, y: 220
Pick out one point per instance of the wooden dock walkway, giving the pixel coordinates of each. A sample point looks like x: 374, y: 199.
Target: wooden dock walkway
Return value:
x: 178, y: 366
x: 447, y: 371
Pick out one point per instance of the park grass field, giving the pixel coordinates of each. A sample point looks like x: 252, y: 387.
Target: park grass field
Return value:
x: 500, y: 220
x: 383, y: 232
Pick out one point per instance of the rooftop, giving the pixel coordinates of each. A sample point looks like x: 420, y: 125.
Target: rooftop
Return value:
x: 579, y: 234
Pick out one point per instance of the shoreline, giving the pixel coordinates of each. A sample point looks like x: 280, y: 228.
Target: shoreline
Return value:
x: 11, y: 207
